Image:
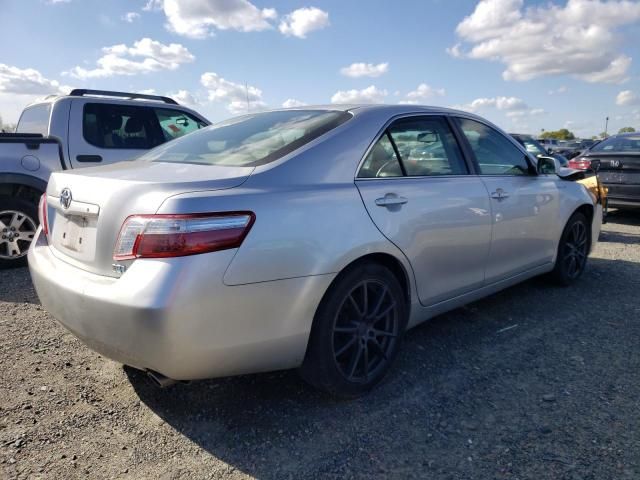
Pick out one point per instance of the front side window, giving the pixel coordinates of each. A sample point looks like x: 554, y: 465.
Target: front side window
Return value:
x: 250, y: 140
x: 35, y: 119
x: 495, y: 154
x: 121, y: 126
x: 175, y: 123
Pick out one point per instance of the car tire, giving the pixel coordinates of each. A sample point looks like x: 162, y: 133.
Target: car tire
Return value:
x: 573, y: 250
x: 355, y: 338
x: 19, y: 220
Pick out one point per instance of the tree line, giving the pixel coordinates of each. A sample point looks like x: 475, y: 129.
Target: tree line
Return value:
x: 565, y: 134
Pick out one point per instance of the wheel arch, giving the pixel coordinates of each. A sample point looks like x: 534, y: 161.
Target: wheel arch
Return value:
x: 22, y: 186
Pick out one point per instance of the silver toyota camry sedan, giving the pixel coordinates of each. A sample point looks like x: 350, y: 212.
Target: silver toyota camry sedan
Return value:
x: 308, y: 238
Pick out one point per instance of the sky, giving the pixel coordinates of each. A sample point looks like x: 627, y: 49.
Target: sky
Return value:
x: 526, y: 65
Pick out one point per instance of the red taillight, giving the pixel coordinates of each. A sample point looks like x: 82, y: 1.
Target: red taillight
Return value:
x: 160, y: 236
x: 42, y: 214
x: 580, y: 163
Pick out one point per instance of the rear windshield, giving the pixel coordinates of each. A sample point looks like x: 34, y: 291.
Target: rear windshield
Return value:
x: 35, y: 119
x: 249, y: 140
x: 619, y: 144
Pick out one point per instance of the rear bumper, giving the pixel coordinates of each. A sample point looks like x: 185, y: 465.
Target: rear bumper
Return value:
x: 175, y: 316
x: 623, y: 194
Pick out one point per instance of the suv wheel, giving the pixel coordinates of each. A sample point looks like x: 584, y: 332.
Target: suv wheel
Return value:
x: 18, y: 223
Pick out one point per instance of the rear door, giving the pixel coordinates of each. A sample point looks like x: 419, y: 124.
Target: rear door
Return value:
x: 416, y: 186
x: 525, y: 206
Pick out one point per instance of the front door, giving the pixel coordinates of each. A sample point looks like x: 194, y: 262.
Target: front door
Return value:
x: 524, y: 205
x: 416, y: 186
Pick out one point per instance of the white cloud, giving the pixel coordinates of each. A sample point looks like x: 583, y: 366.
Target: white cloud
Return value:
x: 579, y: 39
x: 423, y: 92
x: 356, y: 70
x: 534, y: 112
x: 500, y: 103
x: 145, y: 56
x: 558, y: 91
x: 627, y: 97
x: 184, y: 97
x: 304, y: 20
x: 28, y: 81
x: 55, y: 2
x: 130, y: 17
x: 292, y: 102
x: 370, y: 94
x: 201, y: 18
x: 239, y: 98
x: 152, y: 5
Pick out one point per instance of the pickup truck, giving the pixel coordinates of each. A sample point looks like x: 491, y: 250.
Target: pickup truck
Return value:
x: 82, y: 129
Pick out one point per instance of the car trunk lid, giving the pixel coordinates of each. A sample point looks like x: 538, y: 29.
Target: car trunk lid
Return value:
x: 87, y: 208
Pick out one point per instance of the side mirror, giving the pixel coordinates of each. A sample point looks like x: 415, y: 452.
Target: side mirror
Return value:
x: 547, y: 165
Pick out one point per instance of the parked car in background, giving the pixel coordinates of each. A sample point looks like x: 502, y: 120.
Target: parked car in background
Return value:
x: 84, y: 128
x: 619, y: 159
x: 308, y: 237
x: 550, y: 144
x: 574, y: 148
x: 535, y: 148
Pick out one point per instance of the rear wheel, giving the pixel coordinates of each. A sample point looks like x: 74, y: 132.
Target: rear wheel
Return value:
x: 18, y: 223
x: 573, y: 250
x: 357, y: 332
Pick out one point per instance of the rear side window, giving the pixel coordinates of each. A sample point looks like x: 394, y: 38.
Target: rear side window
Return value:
x: 35, y: 119
x: 495, y: 154
x: 121, y: 126
x: 426, y: 147
x: 175, y: 123
x: 250, y: 140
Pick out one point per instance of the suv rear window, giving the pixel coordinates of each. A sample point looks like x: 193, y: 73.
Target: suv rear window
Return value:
x: 35, y: 119
x: 250, y: 140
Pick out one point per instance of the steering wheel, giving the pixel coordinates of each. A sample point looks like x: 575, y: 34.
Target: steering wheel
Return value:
x: 380, y: 172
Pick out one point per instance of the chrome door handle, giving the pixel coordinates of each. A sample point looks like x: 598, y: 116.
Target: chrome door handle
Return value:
x: 499, y: 194
x: 391, y: 199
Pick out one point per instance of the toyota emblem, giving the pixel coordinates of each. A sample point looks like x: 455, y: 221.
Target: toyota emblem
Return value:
x: 65, y: 198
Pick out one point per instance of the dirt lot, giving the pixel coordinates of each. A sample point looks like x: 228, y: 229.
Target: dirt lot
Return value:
x: 555, y: 396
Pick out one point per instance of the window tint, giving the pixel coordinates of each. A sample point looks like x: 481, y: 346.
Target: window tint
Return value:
x: 427, y: 147
x: 381, y: 161
x: 495, y: 154
x: 619, y: 144
x: 175, y: 123
x: 35, y: 119
x: 250, y: 140
x: 121, y: 126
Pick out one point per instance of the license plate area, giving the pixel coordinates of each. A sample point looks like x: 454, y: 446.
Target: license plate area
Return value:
x: 75, y: 236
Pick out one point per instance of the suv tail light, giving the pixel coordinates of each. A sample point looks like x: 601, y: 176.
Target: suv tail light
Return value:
x: 42, y: 214
x: 161, y: 236
x: 580, y: 163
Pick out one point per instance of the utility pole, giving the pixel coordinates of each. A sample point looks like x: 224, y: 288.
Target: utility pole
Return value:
x: 246, y: 90
x: 606, y: 127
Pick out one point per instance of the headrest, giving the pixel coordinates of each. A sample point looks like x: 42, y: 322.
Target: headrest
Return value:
x: 113, y: 122
x: 134, y: 125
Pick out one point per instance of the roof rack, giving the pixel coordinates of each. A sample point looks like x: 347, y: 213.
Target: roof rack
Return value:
x: 81, y: 92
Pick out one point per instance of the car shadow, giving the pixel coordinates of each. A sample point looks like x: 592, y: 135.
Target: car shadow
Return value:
x: 629, y: 216
x: 619, y: 237
x: 488, y: 359
x: 16, y: 286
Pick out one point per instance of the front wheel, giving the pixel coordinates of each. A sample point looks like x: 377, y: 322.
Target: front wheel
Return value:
x: 356, y: 332
x: 18, y: 223
x: 572, y: 250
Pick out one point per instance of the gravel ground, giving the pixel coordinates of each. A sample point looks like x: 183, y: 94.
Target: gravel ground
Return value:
x: 536, y: 382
